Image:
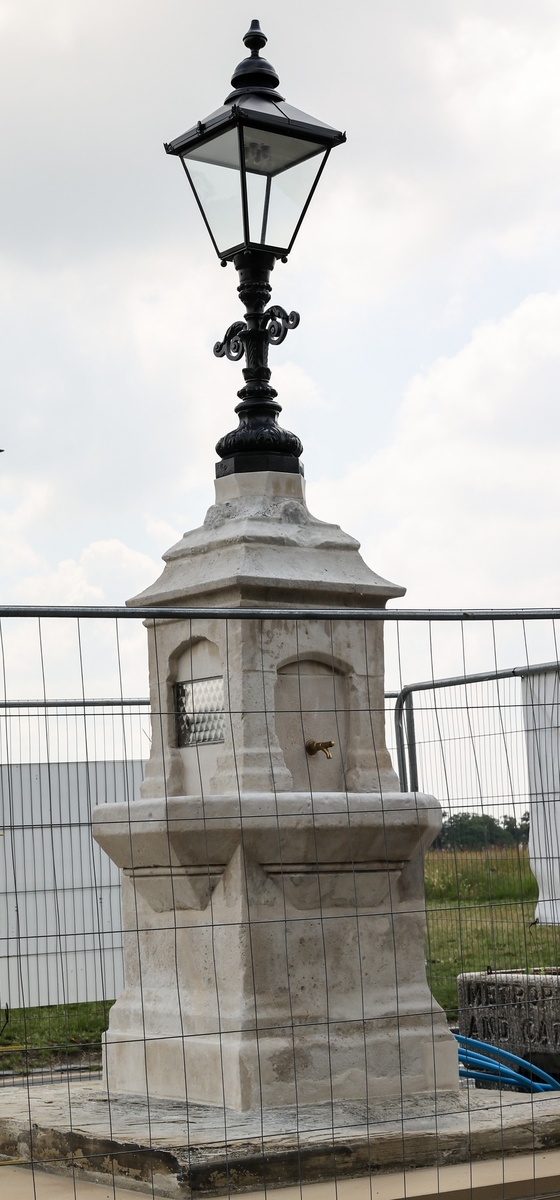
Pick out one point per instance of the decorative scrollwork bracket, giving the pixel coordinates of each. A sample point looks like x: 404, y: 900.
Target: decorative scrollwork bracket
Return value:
x: 232, y: 346
x: 275, y: 322
x: 279, y: 322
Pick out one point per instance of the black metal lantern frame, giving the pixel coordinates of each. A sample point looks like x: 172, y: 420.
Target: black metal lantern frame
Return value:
x: 242, y: 127
x: 253, y: 166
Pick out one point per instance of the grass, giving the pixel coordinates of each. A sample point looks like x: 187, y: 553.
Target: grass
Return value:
x: 479, y: 876
x: 480, y: 908
x: 56, y: 1035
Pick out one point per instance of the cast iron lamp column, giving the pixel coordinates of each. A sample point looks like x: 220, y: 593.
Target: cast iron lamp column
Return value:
x: 258, y: 435
x: 253, y: 166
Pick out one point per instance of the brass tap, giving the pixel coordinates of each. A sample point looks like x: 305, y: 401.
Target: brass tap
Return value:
x: 314, y: 747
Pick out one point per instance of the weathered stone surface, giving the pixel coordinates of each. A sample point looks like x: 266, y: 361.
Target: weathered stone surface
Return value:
x: 282, y: 985
x: 273, y: 901
x: 199, y: 1152
x: 246, y: 552
x: 514, y: 1010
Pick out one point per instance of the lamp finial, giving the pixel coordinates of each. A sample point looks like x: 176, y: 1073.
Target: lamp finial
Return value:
x: 255, y: 39
x: 254, y: 73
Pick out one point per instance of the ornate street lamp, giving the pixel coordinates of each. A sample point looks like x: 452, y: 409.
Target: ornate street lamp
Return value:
x: 253, y: 166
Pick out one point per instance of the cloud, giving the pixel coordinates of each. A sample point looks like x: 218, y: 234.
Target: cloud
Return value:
x: 452, y: 164
x: 298, y: 391
x: 464, y: 506
x: 161, y: 532
x: 438, y: 217
x: 66, y: 657
x: 106, y: 573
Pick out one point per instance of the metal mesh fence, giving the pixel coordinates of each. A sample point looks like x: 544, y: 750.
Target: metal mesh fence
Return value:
x: 253, y: 897
x: 488, y: 748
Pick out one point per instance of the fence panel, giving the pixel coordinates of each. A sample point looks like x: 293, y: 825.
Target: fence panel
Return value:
x: 265, y: 888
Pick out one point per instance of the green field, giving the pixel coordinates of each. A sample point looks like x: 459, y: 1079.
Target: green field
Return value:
x: 480, y: 908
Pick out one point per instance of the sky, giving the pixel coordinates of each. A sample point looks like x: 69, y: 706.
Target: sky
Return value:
x: 424, y: 378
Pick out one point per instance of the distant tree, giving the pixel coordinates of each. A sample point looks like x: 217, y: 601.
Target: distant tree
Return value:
x: 474, y: 831
x: 519, y: 834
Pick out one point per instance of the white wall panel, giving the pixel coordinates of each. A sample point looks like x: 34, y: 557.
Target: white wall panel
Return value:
x: 60, y: 910
x: 541, y: 705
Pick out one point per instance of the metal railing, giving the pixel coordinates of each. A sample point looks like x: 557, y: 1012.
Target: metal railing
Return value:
x: 405, y: 732
x: 174, y: 611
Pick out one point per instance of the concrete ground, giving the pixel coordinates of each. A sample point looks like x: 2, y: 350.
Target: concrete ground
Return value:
x: 516, y: 1178
x: 19, y: 1183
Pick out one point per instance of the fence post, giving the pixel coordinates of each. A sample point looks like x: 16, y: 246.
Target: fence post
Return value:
x: 411, y: 742
x: 399, y: 733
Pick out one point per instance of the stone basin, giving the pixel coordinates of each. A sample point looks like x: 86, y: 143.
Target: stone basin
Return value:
x: 284, y: 829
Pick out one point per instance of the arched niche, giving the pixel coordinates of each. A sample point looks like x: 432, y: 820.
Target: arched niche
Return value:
x: 312, y: 704
x: 198, y: 704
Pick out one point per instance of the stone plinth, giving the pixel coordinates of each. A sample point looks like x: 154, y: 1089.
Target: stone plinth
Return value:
x: 166, y: 1149
x: 514, y: 1010
x: 273, y: 901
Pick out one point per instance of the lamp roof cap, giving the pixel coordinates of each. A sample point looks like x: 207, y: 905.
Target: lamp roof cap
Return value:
x: 254, y: 71
x: 255, y: 101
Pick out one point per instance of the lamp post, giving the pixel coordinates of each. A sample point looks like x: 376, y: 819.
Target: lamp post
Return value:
x: 253, y: 166
x: 274, y: 892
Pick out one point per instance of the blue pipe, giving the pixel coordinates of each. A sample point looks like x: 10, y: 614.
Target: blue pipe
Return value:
x: 528, y: 1085
x: 499, y: 1073
x: 484, y: 1061
x: 494, y: 1051
x: 505, y: 1077
x: 489, y: 1064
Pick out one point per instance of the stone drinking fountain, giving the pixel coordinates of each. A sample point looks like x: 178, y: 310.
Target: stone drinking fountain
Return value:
x: 272, y: 871
x: 276, y: 1024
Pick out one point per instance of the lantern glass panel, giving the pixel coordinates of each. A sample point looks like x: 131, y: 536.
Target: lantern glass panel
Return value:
x: 288, y: 196
x: 214, y: 171
x: 280, y: 172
